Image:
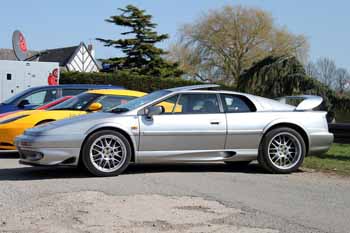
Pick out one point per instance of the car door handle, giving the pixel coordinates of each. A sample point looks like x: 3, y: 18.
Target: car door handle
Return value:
x: 215, y: 123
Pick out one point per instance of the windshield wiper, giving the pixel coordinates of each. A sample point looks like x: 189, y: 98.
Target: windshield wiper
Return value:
x: 119, y: 110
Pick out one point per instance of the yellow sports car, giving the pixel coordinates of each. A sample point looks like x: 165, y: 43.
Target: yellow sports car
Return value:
x: 15, y: 124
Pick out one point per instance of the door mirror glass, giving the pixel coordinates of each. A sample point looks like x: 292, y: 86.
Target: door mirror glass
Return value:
x: 23, y: 103
x: 95, y: 107
x: 153, y: 110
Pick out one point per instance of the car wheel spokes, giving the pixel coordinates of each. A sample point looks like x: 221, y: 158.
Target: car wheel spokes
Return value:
x: 107, y: 153
x: 284, y: 150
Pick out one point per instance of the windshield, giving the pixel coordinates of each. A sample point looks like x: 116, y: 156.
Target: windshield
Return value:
x: 79, y: 102
x: 133, y: 104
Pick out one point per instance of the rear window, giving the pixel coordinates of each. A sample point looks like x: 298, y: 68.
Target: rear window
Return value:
x: 72, y: 92
x: 236, y: 104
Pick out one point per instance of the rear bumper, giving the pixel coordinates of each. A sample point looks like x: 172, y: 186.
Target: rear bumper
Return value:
x: 320, y: 142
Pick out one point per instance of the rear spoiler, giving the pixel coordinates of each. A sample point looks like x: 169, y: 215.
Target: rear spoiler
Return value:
x: 308, y: 102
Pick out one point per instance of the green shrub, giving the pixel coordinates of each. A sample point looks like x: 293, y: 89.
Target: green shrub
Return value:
x: 130, y: 81
x: 127, y: 80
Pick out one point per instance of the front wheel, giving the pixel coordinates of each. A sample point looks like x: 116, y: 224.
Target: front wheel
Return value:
x: 106, y: 153
x: 282, y: 151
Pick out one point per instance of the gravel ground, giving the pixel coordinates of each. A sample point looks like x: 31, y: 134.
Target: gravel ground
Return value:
x: 171, y: 198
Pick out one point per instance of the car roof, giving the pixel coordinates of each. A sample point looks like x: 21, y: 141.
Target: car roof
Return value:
x: 122, y: 92
x: 194, y: 87
x: 71, y: 86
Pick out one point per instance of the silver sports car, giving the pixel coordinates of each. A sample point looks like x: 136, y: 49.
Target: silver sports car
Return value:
x: 186, y: 124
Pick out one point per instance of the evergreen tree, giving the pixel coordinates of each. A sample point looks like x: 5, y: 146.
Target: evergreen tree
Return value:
x: 141, y: 54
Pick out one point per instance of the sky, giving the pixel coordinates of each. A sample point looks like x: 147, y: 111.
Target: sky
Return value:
x: 53, y: 24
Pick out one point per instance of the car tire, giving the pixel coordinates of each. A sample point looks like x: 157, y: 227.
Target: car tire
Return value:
x: 106, y: 153
x: 282, y: 151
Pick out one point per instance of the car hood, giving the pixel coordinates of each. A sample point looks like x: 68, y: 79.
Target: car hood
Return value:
x: 76, y: 125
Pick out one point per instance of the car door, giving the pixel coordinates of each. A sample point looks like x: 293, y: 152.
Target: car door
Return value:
x: 244, y: 124
x: 195, y: 123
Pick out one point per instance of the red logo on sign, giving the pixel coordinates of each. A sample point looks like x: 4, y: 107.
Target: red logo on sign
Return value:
x: 22, y: 43
x: 53, y: 78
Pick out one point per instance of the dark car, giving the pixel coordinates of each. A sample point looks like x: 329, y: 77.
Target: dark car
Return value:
x: 35, y: 96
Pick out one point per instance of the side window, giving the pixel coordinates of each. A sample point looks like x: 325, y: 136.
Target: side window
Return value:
x: 197, y: 104
x: 233, y: 103
x: 73, y: 92
x: 42, y: 97
x: 168, y: 104
x: 109, y: 101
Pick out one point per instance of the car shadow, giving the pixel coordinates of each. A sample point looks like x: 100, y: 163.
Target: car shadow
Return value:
x: 194, y: 168
x: 45, y: 173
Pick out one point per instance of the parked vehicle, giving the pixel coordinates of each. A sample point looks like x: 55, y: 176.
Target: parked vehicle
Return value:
x: 202, y: 126
x: 90, y: 101
x: 36, y: 96
x: 41, y: 107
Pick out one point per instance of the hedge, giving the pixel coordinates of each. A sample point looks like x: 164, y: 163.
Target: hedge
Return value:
x: 134, y: 82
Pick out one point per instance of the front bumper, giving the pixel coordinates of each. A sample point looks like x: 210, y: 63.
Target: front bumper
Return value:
x: 320, y: 142
x: 48, y: 150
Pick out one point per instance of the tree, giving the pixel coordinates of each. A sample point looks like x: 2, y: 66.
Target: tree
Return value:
x: 326, y: 71
x: 225, y: 42
x: 141, y: 55
x: 342, y: 79
x: 311, y: 69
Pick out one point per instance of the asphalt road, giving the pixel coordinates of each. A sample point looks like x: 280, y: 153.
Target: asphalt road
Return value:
x: 171, y: 198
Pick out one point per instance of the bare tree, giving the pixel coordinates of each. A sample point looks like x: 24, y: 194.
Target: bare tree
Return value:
x: 223, y: 43
x: 311, y: 69
x: 326, y: 71
x: 342, y: 79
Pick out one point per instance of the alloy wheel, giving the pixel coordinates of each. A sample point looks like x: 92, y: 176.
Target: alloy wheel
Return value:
x: 108, y: 153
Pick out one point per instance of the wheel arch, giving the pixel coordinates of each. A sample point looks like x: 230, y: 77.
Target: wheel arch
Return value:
x: 294, y: 126
x: 117, y: 129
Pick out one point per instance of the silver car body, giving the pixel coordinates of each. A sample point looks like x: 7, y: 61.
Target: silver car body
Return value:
x: 179, y: 137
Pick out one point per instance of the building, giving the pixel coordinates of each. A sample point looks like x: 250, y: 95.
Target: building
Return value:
x: 78, y: 58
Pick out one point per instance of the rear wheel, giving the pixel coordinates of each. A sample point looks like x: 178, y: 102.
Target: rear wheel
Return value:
x: 282, y: 151
x: 106, y: 153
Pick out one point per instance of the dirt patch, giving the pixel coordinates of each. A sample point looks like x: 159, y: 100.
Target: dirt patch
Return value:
x: 98, y: 212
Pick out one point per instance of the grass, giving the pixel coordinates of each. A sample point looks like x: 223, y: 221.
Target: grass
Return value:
x: 336, y: 160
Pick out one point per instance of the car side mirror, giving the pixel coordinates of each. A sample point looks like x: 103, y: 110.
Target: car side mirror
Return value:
x: 95, y: 107
x: 23, y: 103
x: 153, y: 110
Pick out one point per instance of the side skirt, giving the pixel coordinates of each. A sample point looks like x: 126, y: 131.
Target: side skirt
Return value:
x: 196, y: 156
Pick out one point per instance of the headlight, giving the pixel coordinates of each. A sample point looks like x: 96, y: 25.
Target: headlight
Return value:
x: 13, y: 119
